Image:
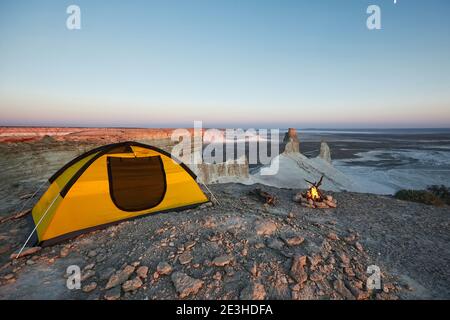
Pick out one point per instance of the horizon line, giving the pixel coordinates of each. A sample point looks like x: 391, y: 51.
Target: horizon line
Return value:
x: 224, y: 127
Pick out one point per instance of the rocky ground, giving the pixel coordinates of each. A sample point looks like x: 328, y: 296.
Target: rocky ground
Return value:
x: 245, y: 249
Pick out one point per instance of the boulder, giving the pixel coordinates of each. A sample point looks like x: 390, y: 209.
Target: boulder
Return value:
x: 9, y: 276
x: 298, y: 272
x: 222, y: 260
x: 185, y: 257
x: 294, y: 241
x: 113, y: 294
x: 317, y: 276
x: 340, y: 288
x: 87, y: 274
x: 188, y: 245
x: 132, y: 285
x: 265, y: 228
x: 314, y: 260
x: 254, y: 291
x: 64, y: 252
x: 142, y: 272
x: 344, y: 259
x: 332, y: 236
x: 89, y: 287
x: 120, y: 277
x: 25, y: 252
x: 163, y: 268
x: 357, y: 292
x: 185, y: 285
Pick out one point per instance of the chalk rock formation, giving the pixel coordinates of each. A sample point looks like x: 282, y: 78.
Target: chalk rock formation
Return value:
x: 292, y: 144
x: 325, y: 152
x: 229, y: 171
x: 292, y: 168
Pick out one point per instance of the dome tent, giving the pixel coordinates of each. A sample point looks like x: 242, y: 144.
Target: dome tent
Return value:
x: 110, y: 184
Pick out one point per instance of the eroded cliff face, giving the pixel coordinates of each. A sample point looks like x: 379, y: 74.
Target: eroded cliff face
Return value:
x: 229, y: 171
x: 292, y: 169
x: 53, y: 147
x: 91, y: 135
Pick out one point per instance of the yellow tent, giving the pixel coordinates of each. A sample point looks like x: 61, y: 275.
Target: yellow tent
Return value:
x: 110, y: 184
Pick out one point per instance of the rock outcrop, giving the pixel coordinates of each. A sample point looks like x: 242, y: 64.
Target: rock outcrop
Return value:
x: 229, y: 171
x: 292, y: 144
x: 325, y: 152
x: 294, y: 168
x: 186, y: 285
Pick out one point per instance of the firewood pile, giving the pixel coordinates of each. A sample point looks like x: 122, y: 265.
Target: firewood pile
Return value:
x: 314, y: 198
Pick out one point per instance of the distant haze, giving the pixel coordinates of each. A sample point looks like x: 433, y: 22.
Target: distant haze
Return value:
x: 228, y: 63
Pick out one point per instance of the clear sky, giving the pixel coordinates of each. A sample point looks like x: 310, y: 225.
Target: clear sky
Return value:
x: 233, y: 63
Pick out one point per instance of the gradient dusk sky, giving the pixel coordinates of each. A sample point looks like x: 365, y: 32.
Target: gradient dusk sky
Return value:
x: 229, y: 63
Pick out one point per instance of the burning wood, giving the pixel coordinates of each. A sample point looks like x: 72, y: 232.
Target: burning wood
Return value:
x: 267, y: 197
x: 314, y: 192
x: 314, y: 198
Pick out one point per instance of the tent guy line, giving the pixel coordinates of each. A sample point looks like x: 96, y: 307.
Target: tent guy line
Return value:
x: 37, y: 225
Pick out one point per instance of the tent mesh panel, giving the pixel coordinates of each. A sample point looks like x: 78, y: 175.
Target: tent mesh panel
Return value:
x: 136, y: 184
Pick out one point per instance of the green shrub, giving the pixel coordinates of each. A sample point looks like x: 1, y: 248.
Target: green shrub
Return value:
x: 442, y: 192
x: 421, y: 196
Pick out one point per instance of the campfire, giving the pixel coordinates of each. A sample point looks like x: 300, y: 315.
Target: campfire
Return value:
x: 314, y: 198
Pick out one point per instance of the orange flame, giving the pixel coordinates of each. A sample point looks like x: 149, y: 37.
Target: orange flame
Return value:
x: 314, y: 193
